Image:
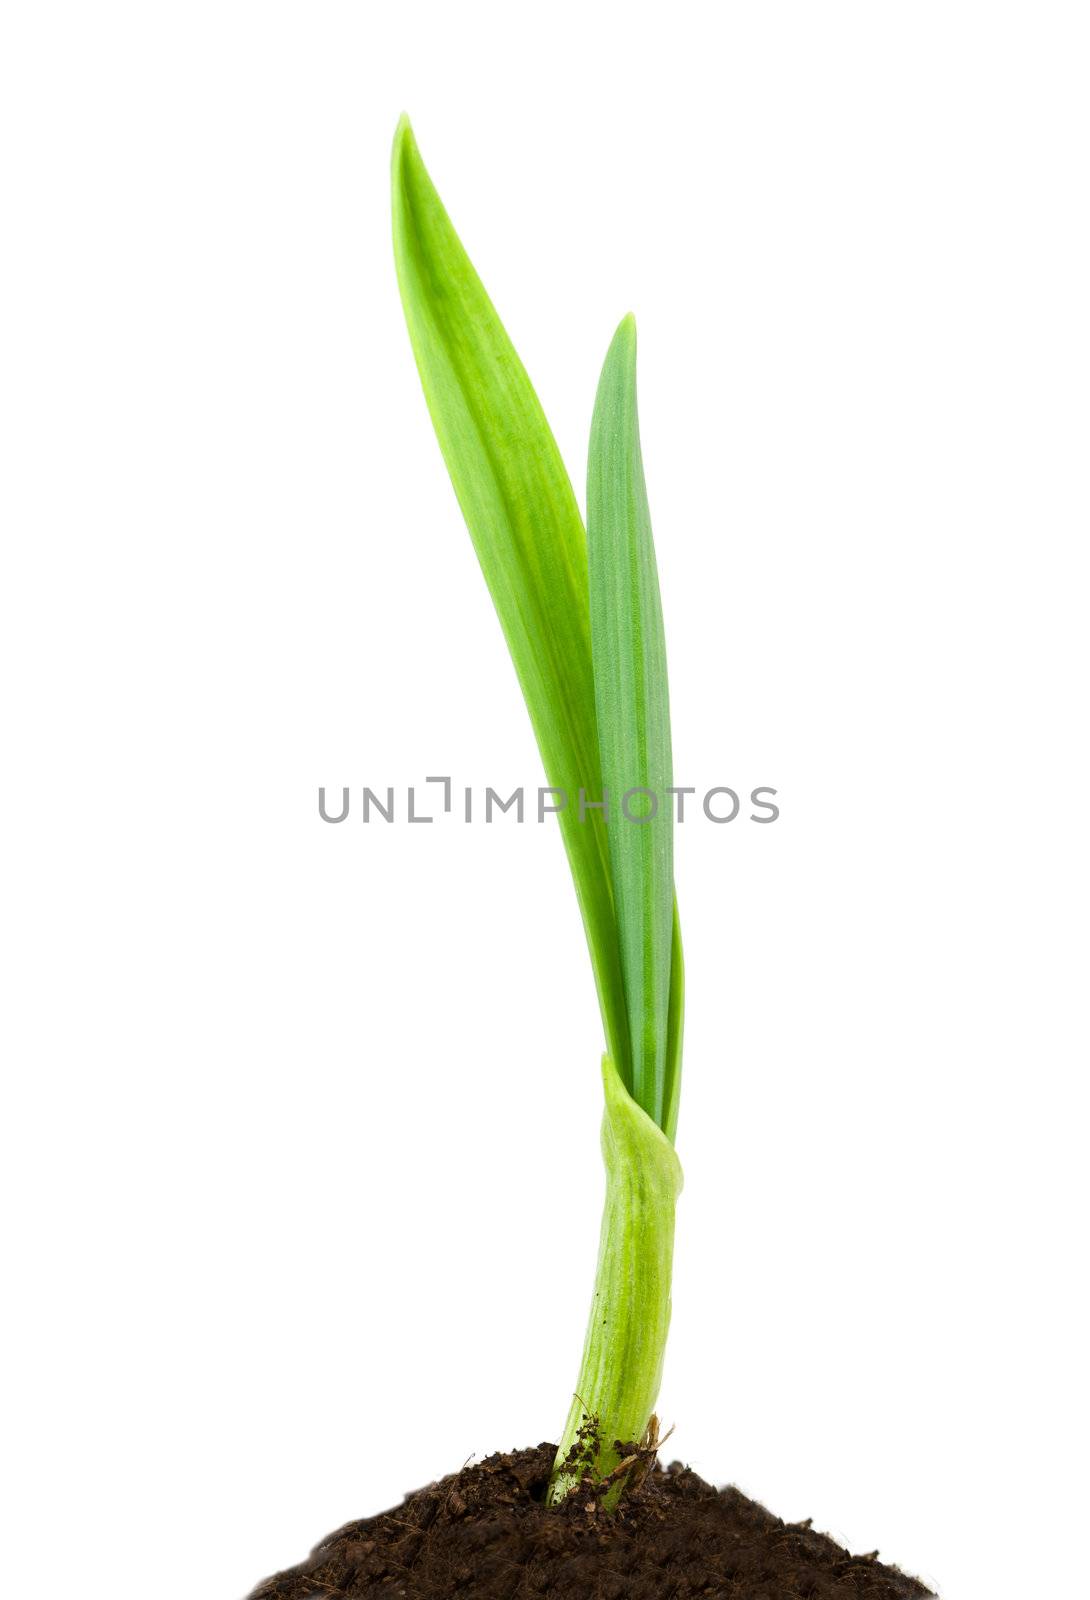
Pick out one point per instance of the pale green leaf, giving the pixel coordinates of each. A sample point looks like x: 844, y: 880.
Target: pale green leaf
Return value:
x: 522, y: 515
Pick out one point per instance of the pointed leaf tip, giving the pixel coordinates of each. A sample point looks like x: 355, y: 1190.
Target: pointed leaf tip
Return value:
x: 623, y: 342
x: 404, y: 142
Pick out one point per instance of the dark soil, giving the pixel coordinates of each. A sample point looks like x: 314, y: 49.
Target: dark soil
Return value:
x: 485, y: 1534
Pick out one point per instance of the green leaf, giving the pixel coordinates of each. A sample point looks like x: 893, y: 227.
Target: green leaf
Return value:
x: 633, y: 706
x: 522, y: 515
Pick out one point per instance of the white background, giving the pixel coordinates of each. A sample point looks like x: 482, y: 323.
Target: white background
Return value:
x: 300, y: 1131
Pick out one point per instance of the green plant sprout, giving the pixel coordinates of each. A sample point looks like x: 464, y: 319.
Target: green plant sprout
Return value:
x: 583, y: 622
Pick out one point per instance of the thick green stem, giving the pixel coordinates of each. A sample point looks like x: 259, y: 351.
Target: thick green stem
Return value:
x: 630, y: 1314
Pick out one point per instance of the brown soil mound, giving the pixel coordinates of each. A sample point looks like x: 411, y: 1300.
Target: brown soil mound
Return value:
x: 485, y: 1534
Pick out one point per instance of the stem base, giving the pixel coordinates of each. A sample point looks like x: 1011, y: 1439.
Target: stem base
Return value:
x: 630, y: 1313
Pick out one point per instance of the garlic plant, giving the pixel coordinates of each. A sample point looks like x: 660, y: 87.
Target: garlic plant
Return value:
x: 581, y: 615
